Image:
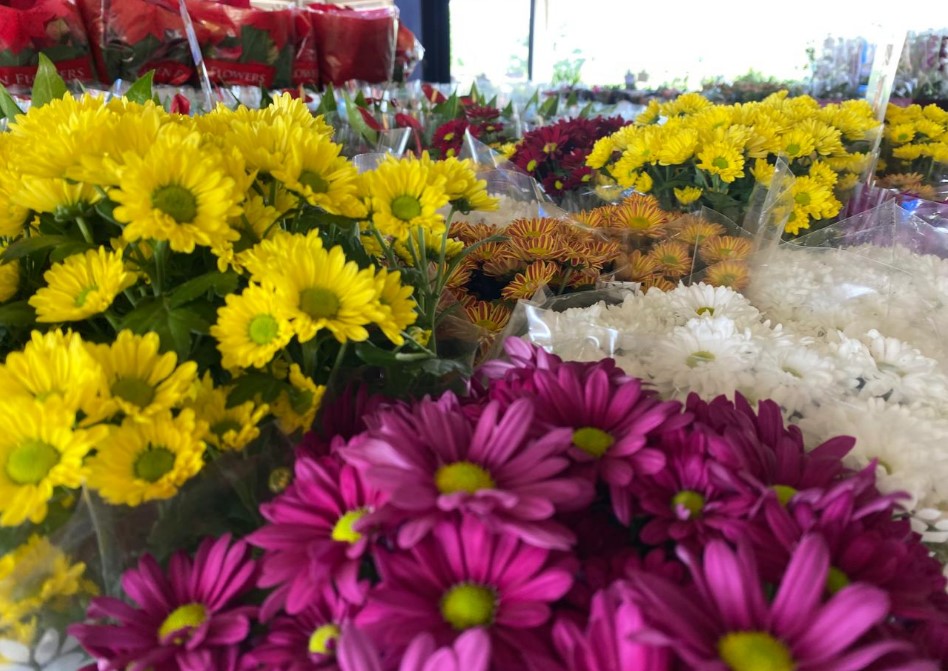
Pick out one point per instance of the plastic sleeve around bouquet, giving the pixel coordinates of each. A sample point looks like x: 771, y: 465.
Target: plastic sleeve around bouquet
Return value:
x: 131, y: 37
x: 355, y: 44
x: 52, y: 27
x: 244, y: 45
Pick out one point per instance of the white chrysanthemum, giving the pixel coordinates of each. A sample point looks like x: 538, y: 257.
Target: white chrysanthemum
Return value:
x: 46, y: 656
x: 911, y: 376
x: 932, y: 524
x: 703, y: 300
x: 795, y: 376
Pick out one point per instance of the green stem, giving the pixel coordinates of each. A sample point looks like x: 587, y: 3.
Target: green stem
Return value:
x: 336, y: 367
x: 160, y: 252
x: 113, y: 321
x: 84, y: 228
x: 104, y: 554
x: 386, y: 249
x: 131, y: 297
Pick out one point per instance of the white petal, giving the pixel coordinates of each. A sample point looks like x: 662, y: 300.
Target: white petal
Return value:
x: 47, y: 647
x: 15, y: 652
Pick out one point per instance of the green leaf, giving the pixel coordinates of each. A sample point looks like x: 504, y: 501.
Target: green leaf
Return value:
x: 449, y: 109
x: 492, y: 102
x: 249, y: 385
x: 572, y: 99
x: 221, y: 283
x: 254, y: 45
x: 360, y: 100
x: 48, y: 85
x: 147, y: 316
x: 106, y: 209
x: 141, y: 91
x: 8, y: 105
x: 328, y: 102
x: 181, y: 323
x: 534, y: 100
x: 475, y: 95
x: 508, y: 111
x: 586, y: 111
x: 374, y: 355
x: 67, y: 249
x: 20, y: 313
x: 549, y: 107
x: 27, y: 246
x: 357, y: 122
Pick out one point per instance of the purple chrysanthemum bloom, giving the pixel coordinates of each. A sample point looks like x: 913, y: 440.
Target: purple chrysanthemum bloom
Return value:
x: 306, y: 641
x: 433, y: 462
x: 311, y: 536
x: 463, y: 576
x: 607, y: 642
x: 189, y: 619
x: 469, y: 652
x: 725, y: 622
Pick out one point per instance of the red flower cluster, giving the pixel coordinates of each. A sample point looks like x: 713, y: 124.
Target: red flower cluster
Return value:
x: 482, y: 122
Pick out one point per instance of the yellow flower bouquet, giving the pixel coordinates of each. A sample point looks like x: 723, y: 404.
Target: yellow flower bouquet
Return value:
x: 914, y: 154
x: 690, y: 152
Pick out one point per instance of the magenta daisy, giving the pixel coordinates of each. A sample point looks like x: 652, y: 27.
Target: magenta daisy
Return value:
x: 311, y: 539
x: 191, y: 618
x: 726, y: 622
x: 462, y: 577
x: 434, y: 462
x: 469, y: 652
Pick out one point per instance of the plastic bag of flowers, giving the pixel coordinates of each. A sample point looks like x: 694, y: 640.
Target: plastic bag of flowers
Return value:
x: 914, y: 152
x: 559, y: 516
x: 355, y: 44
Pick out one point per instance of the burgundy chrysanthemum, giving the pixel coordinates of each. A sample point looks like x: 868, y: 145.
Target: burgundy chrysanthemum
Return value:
x: 192, y: 618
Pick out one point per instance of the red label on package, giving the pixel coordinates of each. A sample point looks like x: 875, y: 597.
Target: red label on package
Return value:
x: 168, y: 72
x: 23, y: 75
x: 306, y: 73
x: 240, y: 74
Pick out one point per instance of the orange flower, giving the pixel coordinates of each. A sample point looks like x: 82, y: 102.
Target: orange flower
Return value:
x: 531, y: 228
x: 592, y: 218
x: 640, y: 267
x: 504, y: 262
x: 640, y: 216
x: 724, y: 248
x: 491, y: 317
x: 674, y: 259
x: 526, y: 284
x: 695, y: 230
x: 731, y: 274
x: 546, y: 247
x: 656, y: 282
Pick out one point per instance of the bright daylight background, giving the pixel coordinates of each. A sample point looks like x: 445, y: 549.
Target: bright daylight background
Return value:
x: 668, y: 40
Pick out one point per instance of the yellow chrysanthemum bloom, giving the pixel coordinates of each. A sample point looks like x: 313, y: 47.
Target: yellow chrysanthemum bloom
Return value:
x: 34, y: 576
x: 601, y: 153
x: 687, y: 195
x: 928, y: 128
x: 827, y: 140
x: 722, y: 159
x: 677, y: 147
x: 465, y: 192
x: 316, y: 172
x: 252, y: 327
x: 686, y: 103
x: 403, y: 197
x: 900, y: 133
x: 797, y: 143
x: 847, y: 181
x: 294, y: 111
x: 644, y: 183
x: 731, y: 274
x: 145, y: 461
x: 55, y: 365
x: 763, y: 172
x: 296, y: 409
x: 81, y: 286
x: 178, y: 191
x: 397, y: 311
x: 814, y: 198
x: 57, y: 196
x: 653, y: 110
x: 908, y: 152
x: 822, y: 173
x: 228, y: 429
x: 797, y: 221
x: 321, y: 289
x: 39, y: 451
x: 452, y: 247
x: 142, y: 382
x: 9, y: 277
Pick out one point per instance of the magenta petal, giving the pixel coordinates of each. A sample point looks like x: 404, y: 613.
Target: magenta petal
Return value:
x: 473, y: 650
x: 523, y: 615
x: 847, y: 616
x: 355, y: 651
x: 801, y: 587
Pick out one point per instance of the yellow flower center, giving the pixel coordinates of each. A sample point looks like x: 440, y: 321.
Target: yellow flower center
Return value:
x: 592, y: 441
x: 152, y: 464
x: 467, y: 605
x: 462, y: 476
x: 406, y: 207
x: 189, y: 617
x: 695, y: 359
x: 343, y: 530
x: 639, y: 223
x: 784, y: 493
x: 30, y: 461
x: 222, y: 427
x: 803, y: 199
x: 448, y: 137
x: 705, y: 310
x: 692, y: 501
x: 836, y: 580
x: 280, y: 478
x: 720, y: 163
x: 175, y: 201
x: 531, y: 165
x: 754, y: 651
x: 315, y: 182
x: 319, y: 303
x: 134, y: 390
x: 83, y: 295
x: 558, y: 184
x: 549, y: 147
x: 263, y: 329
x: 321, y: 638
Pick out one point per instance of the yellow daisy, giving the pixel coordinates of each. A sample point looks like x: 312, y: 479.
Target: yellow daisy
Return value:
x: 908, y: 152
x: 677, y: 147
x: 142, y: 382
x: 722, y: 159
x: 144, y: 461
x: 294, y: 111
x: 823, y: 173
x: 39, y: 451
x: 687, y: 195
x: 316, y: 172
x: 251, y: 328
x: 13, y: 217
x: 179, y: 192
x: 651, y: 114
x: 814, y: 198
x: 763, y: 172
x: 900, y: 133
x: 397, y: 308
x: 56, y: 196
x: 797, y: 143
x: 55, y: 365
x: 9, y: 277
x: 644, y: 183
x: 465, y: 192
x: 269, y: 257
x: 403, y: 197
x: 601, y: 153
x: 797, y: 221
x: 673, y: 257
x: 228, y: 429
x: 81, y: 286
x: 296, y: 409
x: 321, y: 289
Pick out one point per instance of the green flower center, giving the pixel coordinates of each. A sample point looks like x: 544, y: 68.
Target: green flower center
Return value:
x: 134, y: 390
x: 406, y: 207
x: 467, y: 605
x: 790, y: 370
x: 30, y: 461
x: 320, y: 640
x: 836, y: 580
x: 319, y: 303
x: 690, y: 500
x: 698, y: 358
x: 803, y: 199
x: 462, y: 476
x: 720, y: 163
x: 343, y: 530
x: 784, y: 493
x: 263, y: 329
x: 189, y: 617
x: 793, y: 149
x: 222, y: 427
x: 83, y: 295
x: 314, y: 181
x: 592, y: 441
x: 754, y: 651
x: 705, y: 310
x: 152, y: 464
x: 175, y: 201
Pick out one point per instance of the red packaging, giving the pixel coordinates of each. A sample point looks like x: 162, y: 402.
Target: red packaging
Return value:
x: 355, y: 44
x: 53, y: 27
x: 244, y: 45
x: 408, y: 53
x: 306, y: 55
